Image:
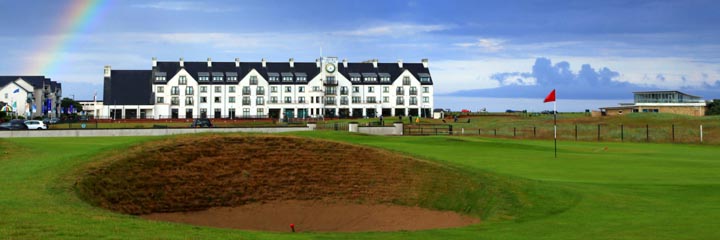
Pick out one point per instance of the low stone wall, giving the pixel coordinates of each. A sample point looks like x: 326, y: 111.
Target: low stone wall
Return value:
x: 141, y: 132
x: 396, y: 129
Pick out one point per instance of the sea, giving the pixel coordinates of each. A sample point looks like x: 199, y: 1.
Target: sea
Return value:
x: 476, y: 104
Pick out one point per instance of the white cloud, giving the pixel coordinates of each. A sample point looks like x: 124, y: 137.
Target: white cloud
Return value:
x: 394, y: 30
x: 454, y: 75
x: 485, y: 44
x: 182, y: 6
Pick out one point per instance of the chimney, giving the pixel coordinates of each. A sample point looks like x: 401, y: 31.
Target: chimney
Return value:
x: 264, y: 64
x: 182, y: 62
x: 292, y: 63
x: 106, y: 72
x: 400, y: 63
x: 374, y: 62
x: 424, y: 62
x: 344, y: 63
x: 209, y: 62
x: 237, y: 62
x: 317, y: 62
x: 154, y: 62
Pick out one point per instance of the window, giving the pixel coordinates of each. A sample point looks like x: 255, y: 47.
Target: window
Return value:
x: 217, y: 100
x: 356, y: 100
x: 260, y: 112
x: 203, y: 99
x: 217, y: 78
x: 203, y: 78
x: 355, y: 78
x: 316, y: 89
x: 301, y: 89
x: 330, y: 100
x: 188, y: 100
x: 160, y: 78
x: 273, y: 78
x: 287, y: 78
x: 6, y: 95
x: 218, y: 89
x: 356, y: 89
x: 231, y: 89
x: 301, y: 78
x: 260, y: 101
x: 385, y: 79
x: 370, y: 79
x: 386, y: 89
x: 400, y: 101
x: 175, y: 90
x: 413, y: 100
x: 160, y: 89
x: 203, y: 89
x: 406, y: 80
x: 246, y: 90
x: 231, y: 99
x: 288, y: 89
x: 301, y: 99
x: 386, y: 99
x: 330, y: 90
x: 344, y: 101
x: 343, y: 90
x: 158, y: 100
x: 399, y: 91
x: 175, y: 101
x: 424, y: 79
x: 182, y: 80
x: 371, y: 89
x: 273, y: 89
x: 273, y: 100
x: 232, y: 79
x: 231, y: 112
x: 371, y: 100
x: 246, y: 101
x: 260, y: 90
x: 330, y: 81
x: 246, y: 112
x: 413, y: 90
x: 426, y: 89
x: 189, y: 90
x: 253, y: 80
x: 288, y: 99
x: 426, y: 99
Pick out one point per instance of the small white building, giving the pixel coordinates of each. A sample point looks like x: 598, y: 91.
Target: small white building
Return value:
x: 30, y: 96
x: 91, y: 107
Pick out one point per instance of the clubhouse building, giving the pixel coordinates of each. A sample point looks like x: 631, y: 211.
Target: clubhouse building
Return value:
x: 660, y: 101
x: 30, y: 96
x: 324, y: 88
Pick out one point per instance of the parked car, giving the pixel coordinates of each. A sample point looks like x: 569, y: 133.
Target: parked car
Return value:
x: 35, y: 124
x: 13, y: 125
x: 201, y: 122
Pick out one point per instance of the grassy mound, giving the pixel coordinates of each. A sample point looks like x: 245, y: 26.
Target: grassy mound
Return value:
x: 199, y: 172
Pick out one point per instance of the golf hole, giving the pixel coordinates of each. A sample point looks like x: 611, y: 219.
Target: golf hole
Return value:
x: 266, y: 183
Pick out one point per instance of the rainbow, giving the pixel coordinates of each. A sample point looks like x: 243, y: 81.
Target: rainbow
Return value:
x: 77, y: 17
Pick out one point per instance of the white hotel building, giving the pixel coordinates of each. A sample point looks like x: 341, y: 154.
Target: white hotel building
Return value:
x: 326, y: 87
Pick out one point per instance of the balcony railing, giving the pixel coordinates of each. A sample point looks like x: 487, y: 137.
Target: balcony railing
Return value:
x: 413, y: 102
x: 260, y: 92
x: 330, y: 82
x: 399, y: 102
x: 330, y: 92
x: 328, y: 102
x: 245, y: 103
x: 259, y: 102
x: 343, y: 92
x: 413, y: 92
x: 343, y: 102
x: 246, y: 92
x: 400, y: 92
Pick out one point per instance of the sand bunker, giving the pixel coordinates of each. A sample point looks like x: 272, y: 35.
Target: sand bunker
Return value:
x: 267, y: 182
x: 319, y: 217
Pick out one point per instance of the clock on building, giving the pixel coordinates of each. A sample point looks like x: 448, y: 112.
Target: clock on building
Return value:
x: 330, y: 68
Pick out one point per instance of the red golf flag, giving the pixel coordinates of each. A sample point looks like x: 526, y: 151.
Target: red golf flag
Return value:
x: 550, y: 97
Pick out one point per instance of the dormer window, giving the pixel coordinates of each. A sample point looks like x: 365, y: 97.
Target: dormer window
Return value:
x: 355, y: 77
x: 203, y: 76
x: 273, y: 77
x: 384, y: 77
x: 424, y: 77
x: 160, y: 76
x: 231, y: 76
x: 301, y: 77
x: 370, y: 77
x: 217, y: 77
x: 287, y: 77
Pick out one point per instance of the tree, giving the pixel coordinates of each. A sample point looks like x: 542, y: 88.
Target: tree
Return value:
x: 713, y: 108
x: 66, y: 102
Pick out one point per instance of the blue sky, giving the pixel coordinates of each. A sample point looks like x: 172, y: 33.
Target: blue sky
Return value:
x: 514, y: 49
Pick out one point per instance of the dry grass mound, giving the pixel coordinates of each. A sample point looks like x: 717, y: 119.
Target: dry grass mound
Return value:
x: 200, y: 172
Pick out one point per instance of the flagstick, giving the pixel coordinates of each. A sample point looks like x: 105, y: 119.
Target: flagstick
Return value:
x: 555, y: 125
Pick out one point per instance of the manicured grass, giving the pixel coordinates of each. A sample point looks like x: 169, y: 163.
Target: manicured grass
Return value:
x: 591, y: 191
